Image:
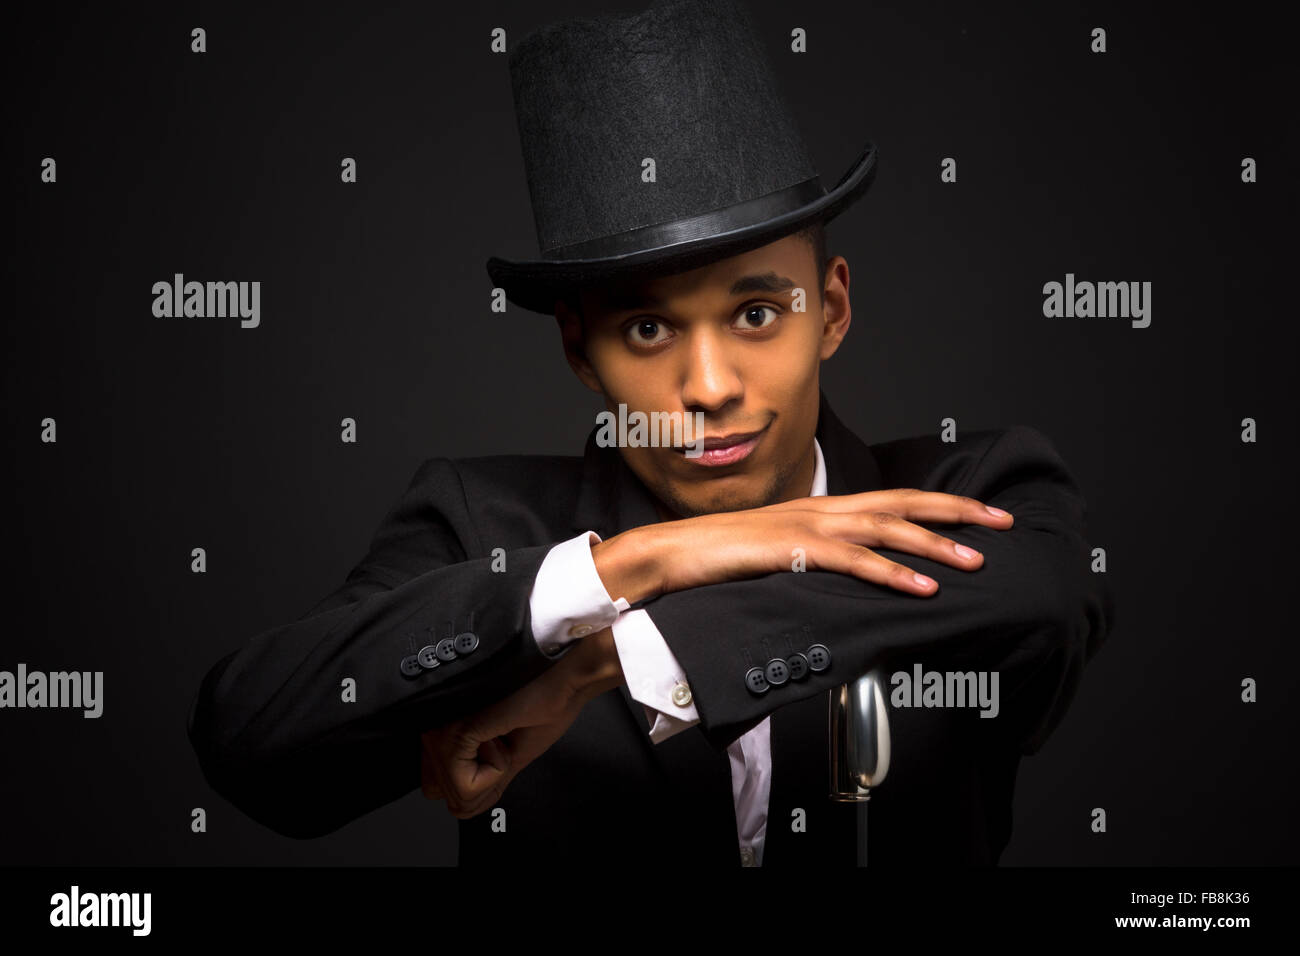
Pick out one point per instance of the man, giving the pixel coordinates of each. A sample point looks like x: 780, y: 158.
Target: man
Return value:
x: 625, y: 656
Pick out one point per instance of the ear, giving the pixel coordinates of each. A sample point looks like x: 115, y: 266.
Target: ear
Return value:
x: 836, y: 311
x: 571, y: 336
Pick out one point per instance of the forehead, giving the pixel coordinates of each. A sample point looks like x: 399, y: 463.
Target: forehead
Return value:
x: 773, y: 269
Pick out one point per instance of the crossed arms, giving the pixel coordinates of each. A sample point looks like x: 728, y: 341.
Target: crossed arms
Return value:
x: 274, y: 737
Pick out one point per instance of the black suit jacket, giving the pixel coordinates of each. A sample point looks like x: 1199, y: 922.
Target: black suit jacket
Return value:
x: 275, y: 736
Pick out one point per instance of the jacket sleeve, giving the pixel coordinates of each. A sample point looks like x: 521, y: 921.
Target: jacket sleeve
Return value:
x: 312, y: 724
x: 1035, y: 612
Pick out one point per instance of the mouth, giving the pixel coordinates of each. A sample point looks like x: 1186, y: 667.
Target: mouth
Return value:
x: 725, y: 449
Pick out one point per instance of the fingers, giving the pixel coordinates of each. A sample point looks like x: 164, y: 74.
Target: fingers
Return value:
x: 522, y: 745
x: 500, y: 754
x: 880, y: 529
x: 852, y: 535
x: 470, y: 762
x: 512, y: 752
x: 456, y: 765
x: 860, y: 562
x: 917, y: 505
x: 466, y: 811
x: 492, y: 753
x: 853, y: 524
x: 468, y: 799
x: 911, y: 504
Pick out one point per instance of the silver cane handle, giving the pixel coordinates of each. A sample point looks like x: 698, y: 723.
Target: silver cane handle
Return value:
x: 859, y: 737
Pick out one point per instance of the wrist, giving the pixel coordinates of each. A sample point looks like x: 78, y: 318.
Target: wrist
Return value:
x: 628, y: 564
x: 601, y: 669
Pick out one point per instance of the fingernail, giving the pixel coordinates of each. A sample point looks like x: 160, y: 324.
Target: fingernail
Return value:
x: 964, y: 551
x: 997, y: 512
x: 922, y: 580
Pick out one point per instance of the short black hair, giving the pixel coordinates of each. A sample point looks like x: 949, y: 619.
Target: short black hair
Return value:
x: 814, y: 234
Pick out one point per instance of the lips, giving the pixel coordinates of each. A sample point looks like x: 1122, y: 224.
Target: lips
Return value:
x: 726, y: 449
x: 726, y: 441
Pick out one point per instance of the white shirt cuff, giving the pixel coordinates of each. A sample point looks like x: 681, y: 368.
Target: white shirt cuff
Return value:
x: 568, y: 600
x: 654, y: 677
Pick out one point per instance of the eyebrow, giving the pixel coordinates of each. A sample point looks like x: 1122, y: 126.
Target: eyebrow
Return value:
x: 626, y: 300
x: 767, y: 282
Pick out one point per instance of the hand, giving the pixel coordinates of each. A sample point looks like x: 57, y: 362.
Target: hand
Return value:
x: 835, y: 532
x: 470, y: 762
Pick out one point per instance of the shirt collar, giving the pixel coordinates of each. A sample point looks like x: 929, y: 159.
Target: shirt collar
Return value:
x: 819, y: 472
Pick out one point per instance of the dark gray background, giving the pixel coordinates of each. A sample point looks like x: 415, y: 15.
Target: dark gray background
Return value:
x: 177, y: 433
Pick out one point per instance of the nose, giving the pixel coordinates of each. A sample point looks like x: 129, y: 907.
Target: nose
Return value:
x: 709, y: 379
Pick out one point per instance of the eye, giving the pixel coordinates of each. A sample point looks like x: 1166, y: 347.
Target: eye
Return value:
x: 752, y: 317
x: 644, y: 333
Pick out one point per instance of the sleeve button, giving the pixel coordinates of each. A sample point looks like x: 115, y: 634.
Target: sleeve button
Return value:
x: 776, y: 672
x: 798, y: 665
x: 819, y: 658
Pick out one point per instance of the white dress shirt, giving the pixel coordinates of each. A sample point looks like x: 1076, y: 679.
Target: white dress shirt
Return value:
x: 569, y: 601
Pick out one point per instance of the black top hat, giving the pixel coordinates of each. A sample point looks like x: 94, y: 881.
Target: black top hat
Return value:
x: 687, y: 84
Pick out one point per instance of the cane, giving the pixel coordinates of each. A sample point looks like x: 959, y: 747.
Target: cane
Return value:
x: 859, y: 745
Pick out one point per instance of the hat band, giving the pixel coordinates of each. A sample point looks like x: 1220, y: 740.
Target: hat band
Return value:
x: 718, y: 222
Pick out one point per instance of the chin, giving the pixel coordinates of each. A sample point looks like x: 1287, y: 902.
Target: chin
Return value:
x: 735, y: 500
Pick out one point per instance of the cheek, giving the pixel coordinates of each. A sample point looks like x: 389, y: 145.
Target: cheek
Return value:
x: 783, y: 378
x: 632, y: 381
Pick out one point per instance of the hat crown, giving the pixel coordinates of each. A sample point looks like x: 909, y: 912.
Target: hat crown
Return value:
x: 685, y: 83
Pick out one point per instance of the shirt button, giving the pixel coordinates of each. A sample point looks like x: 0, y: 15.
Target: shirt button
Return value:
x: 747, y: 856
x: 681, y: 694
x: 580, y: 630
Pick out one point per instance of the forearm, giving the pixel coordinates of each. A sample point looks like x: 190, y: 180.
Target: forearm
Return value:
x: 596, y: 664
x: 340, y: 694
x: 287, y: 689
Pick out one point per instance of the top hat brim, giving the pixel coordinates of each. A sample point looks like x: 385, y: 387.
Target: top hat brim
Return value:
x: 668, y: 248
